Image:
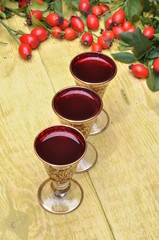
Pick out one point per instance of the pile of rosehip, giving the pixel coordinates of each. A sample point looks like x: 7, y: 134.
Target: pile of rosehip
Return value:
x: 62, y: 28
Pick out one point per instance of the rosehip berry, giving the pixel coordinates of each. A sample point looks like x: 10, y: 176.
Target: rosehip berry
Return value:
x: 132, y: 29
x: 117, y: 30
x: 108, y: 34
x: 65, y: 24
x: 126, y: 25
x: 87, y: 39
x: 92, y: 22
x: 0, y: 8
x: 40, y: 33
x: 25, y: 51
x: 37, y: 14
x: 139, y: 70
x: 57, y: 32
x: 53, y: 19
x: 84, y: 6
x: 156, y: 65
x: 97, y: 11
x: 77, y: 24
x: 96, y: 47
x: 119, y: 16
x: 104, y: 8
x: 149, y: 32
x: 22, y: 4
x: 70, y: 34
x: 104, y: 42
x: 109, y: 23
x: 29, y: 39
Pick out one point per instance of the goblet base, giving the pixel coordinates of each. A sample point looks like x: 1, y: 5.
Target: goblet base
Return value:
x: 100, y: 124
x: 89, y: 159
x: 60, y: 205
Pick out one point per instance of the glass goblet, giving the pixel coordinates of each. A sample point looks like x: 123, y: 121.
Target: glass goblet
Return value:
x: 60, y: 148
x: 95, y: 71
x: 79, y: 107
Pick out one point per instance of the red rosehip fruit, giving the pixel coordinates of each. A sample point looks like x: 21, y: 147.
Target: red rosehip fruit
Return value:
x: 119, y: 16
x: 156, y: 65
x: 70, y: 34
x: 92, y: 22
x: 96, y: 47
x: 149, y: 32
x: 25, y: 51
x: 29, y: 39
x: 139, y: 70
x: 87, y: 39
x: 37, y: 14
x: 77, y: 23
x: 40, y: 33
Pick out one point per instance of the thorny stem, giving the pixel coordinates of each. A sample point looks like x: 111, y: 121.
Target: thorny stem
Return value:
x: 15, y: 11
x: 10, y: 31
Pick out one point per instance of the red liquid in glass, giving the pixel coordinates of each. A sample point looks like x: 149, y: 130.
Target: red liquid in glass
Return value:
x: 77, y: 103
x: 93, y: 67
x: 60, y: 145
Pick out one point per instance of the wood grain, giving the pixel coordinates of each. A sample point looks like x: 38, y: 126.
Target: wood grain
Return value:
x: 121, y: 193
x: 26, y: 94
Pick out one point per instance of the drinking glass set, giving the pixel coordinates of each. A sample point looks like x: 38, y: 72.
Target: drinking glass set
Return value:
x: 64, y: 149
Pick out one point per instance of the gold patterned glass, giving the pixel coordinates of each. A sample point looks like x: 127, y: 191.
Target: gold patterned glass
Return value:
x: 79, y: 107
x: 60, y: 148
x: 95, y: 71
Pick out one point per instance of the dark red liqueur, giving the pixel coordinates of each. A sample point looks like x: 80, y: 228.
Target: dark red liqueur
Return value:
x: 93, y: 67
x: 60, y: 145
x: 77, y: 103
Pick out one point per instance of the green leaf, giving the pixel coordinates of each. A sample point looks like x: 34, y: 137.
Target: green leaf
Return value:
x: 153, y: 54
x: 124, y: 57
x: 58, y: 7
x: 126, y: 37
x: 153, y: 81
x: 141, y: 43
x: 42, y: 6
x: 108, y: 14
x: 69, y: 3
x: 124, y: 48
x: 133, y: 8
x: 156, y: 36
x: 146, y: 6
x: 156, y: 81
x: 37, y: 23
x: 146, y: 20
x: 150, y: 80
x: 2, y: 15
x: 106, y: 1
x: 75, y: 4
x: 157, y: 18
x: 84, y: 19
x: 8, y: 13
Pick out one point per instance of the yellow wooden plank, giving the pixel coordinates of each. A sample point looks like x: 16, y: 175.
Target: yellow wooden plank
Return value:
x: 26, y: 92
x: 126, y: 175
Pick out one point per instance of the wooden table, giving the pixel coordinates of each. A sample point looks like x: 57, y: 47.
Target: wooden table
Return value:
x: 121, y: 193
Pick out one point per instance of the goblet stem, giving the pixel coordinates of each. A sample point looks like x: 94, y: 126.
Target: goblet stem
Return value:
x: 60, y: 189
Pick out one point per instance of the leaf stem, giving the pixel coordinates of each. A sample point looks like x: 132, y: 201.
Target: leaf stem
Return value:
x: 16, y: 12
x: 10, y: 31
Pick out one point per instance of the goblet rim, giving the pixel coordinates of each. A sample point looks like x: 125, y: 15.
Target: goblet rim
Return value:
x: 94, y: 83
x: 77, y: 121
x: 62, y: 165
